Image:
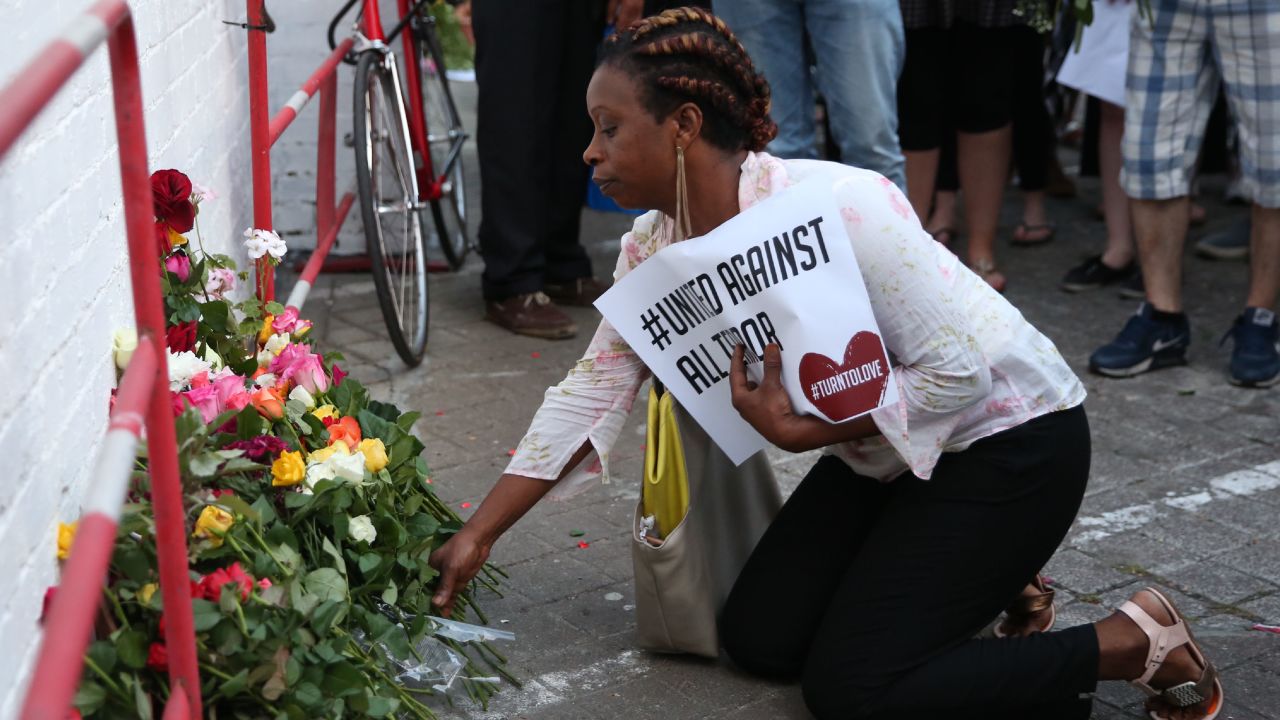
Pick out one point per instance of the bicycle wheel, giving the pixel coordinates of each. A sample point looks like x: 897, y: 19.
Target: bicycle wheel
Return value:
x: 445, y: 137
x: 388, y: 204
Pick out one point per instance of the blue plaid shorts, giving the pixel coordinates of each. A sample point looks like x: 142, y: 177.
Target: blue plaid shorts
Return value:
x: 1177, y: 60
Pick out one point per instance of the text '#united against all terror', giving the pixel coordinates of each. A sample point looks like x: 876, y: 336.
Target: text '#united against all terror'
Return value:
x: 741, y: 276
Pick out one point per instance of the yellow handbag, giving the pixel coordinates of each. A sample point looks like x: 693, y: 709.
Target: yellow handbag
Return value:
x: 665, y: 496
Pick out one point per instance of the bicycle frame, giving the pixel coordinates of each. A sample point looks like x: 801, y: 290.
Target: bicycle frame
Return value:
x: 429, y: 187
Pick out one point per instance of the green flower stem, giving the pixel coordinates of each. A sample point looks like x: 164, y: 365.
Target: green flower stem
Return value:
x: 422, y: 711
x: 244, y: 626
x: 206, y: 667
x: 263, y: 544
x: 106, y: 679
x: 294, y: 432
x: 238, y: 550
x: 115, y: 605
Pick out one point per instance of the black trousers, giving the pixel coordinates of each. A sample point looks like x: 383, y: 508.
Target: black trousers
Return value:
x: 534, y: 59
x: 871, y: 592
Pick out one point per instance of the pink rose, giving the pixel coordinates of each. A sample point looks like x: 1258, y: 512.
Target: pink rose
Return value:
x: 285, y: 321
x: 204, y: 399
x: 221, y: 281
x: 308, y: 373
x: 179, y: 265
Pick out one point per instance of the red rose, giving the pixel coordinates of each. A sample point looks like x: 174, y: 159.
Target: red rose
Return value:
x: 171, y: 193
x: 158, y: 657
x: 181, y: 337
x: 210, y: 587
x: 162, y: 238
x: 338, y: 374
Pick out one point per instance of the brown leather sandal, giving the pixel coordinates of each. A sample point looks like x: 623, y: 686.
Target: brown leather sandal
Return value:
x: 1020, y: 612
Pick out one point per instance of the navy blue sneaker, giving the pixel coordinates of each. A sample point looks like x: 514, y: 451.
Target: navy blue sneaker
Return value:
x: 1255, y: 359
x: 1144, y: 344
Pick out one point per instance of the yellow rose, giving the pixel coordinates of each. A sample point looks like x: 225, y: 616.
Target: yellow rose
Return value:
x: 265, y: 333
x: 213, y: 523
x: 375, y: 454
x: 66, y: 536
x: 123, y: 342
x: 325, y: 411
x: 288, y: 469
x: 146, y: 591
x: 176, y: 238
x: 325, y: 453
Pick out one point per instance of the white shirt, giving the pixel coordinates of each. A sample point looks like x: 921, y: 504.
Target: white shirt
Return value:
x: 967, y: 364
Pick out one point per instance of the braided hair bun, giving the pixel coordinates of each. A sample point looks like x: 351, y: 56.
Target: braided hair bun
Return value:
x: 689, y: 55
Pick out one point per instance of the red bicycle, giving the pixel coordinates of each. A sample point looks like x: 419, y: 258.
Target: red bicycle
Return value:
x: 408, y: 159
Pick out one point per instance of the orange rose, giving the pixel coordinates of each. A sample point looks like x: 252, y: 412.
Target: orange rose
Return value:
x: 268, y: 402
x: 347, y: 430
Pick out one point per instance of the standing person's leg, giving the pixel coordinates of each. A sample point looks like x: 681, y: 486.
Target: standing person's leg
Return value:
x: 1116, y: 263
x: 944, y: 557
x: 517, y: 74
x: 772, y: 31
x: 942, y: 218
x: 922, y: 112
x: 567, y: 274
x: 1164, y: 125
x: 1248, y: 43
x: 859, y: 47
x: 1033, y: 137
x: 984, y: 100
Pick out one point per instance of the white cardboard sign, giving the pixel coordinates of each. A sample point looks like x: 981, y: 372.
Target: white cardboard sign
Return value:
x: 782, y: 271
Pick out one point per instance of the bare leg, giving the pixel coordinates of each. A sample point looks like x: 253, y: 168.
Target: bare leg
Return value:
x: 1264, y: 258
x: 1161, y: 229
x: 922, y: 174
x: 943, y: 216
x: 983, y: 160
x: 1120, y: 249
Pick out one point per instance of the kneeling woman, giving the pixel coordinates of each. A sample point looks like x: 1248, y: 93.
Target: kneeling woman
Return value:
x: 923, y: 520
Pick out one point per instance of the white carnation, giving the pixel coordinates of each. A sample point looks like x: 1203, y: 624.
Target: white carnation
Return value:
x: 183, y: 366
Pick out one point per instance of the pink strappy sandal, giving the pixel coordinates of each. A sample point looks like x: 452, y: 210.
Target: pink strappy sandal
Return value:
x: 1162, y: 640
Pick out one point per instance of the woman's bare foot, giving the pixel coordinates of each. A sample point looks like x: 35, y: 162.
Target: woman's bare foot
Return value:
x: 1123, y: 655
x: 1026, y: 622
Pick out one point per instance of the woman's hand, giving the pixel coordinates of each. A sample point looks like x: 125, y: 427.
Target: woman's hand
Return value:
x: 768, y: 409
x: 766, y: 406
x: 458, y: 561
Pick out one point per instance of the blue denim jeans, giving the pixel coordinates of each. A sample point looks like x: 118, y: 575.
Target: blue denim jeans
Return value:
x: 859, y: 49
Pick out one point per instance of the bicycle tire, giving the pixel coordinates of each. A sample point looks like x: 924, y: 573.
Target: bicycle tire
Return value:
x: 449, y: 212
x: 397, y: 250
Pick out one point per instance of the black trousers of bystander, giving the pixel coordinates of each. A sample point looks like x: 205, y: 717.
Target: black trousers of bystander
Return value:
x: 534, y: 60
x: 872, y: 592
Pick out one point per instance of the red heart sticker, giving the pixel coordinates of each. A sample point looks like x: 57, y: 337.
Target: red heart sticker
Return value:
x: 854, y: 386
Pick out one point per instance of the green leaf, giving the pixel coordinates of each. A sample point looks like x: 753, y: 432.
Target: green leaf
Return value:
x: 380, y: 706
x: 332, y: 551
x: 103, y: 654
x: 327, y: 583
x: 384, y: 410
x: 236, y: 505
x: 422, y: 525
x: 131, y: 648
x: 391, y: 594
x: 369, y: 562
x: 215, y: 315
x: 205, y: 464
x: 407, y: 420
x: 343, y: 679
x: 89, y: 697
x: 372, y: 425
x: 327, y: 615
x: 264, y: 510
x: 275, y: 308
x: 205, y: 614
x: 307, y: 694
x: 249, y: 424
x: 236, y: 684
x: 134, y: 563
x: 141, y: 702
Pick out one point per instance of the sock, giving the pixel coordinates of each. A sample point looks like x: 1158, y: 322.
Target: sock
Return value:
x: 1167, y: 317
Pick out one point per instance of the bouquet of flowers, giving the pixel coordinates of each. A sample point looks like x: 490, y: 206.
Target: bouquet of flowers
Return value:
x: 1040, y: 14
x: 311, y: 515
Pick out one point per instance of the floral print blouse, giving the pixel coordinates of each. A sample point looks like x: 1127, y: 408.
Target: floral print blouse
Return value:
x: 967, y: 364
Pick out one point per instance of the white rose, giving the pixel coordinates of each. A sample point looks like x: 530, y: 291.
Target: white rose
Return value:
x: 183, y: 366
x: 265, y: 380
x: 276, y: 343
x: 301, y: 395
x: 361, y: 529
x: 348, y: 467
x: 123, y: 342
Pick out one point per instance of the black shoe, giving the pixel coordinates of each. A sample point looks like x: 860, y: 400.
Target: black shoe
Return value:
x: 578, y: 293
x: 1255, y: 359
x: 1134, y: 288
x: 1093, y: 273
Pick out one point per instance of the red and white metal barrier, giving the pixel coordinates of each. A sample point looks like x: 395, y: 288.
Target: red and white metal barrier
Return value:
x: 264, y: 132
x: 143, y: 398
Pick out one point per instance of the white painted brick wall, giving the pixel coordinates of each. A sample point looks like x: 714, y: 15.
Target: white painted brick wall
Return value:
x: 64, y: 284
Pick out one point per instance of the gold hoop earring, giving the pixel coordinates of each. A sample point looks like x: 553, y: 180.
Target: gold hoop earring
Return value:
x: 684, y: 228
